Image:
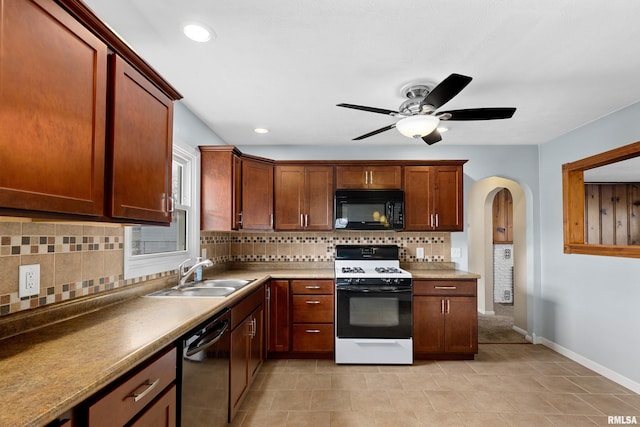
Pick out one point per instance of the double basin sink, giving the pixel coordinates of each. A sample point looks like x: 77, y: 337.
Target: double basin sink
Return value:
x: 207, y: 288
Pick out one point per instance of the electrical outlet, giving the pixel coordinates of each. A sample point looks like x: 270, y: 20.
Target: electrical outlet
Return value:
x: 456, y: 252
x: 420, y: 253
x: 29, y: 283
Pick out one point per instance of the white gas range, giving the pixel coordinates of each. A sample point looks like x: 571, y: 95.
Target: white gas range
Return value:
x: 373, y: 306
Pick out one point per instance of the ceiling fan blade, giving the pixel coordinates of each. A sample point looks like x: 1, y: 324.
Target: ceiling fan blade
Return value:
x: 480, y: 114
x: 432, y: 138
x: 375, y: 132
x: 447, y: 89
x: 370, y: 109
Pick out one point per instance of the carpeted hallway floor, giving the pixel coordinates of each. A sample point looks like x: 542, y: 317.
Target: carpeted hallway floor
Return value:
x: 498, y: 328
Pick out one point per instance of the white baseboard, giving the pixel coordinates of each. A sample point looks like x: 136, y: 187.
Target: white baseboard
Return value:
x: 602, y: 370
x: 522, y: 332
x: 488, y: 313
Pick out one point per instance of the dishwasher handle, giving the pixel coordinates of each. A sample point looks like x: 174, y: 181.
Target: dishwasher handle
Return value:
x: 205, y: 340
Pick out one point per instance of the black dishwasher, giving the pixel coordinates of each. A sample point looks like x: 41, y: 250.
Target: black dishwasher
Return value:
x: 205, y: 374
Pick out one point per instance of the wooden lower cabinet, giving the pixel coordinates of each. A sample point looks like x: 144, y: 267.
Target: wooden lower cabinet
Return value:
x: 247, y: 344
x: 147, y: 396
x: 445, y: 319
x: 301, y: 318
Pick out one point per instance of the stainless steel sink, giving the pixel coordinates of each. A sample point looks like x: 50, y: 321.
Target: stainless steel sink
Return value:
x: 217, y: 288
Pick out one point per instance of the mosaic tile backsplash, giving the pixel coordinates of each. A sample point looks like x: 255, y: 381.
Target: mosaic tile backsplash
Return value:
x: 79, y: 259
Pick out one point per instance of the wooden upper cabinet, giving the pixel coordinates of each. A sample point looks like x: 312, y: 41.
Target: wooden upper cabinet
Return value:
x: 304, y: 197
x: 221, y: 188
x: 257, y: 195
x: 140, y: 147
x: 368, y: 177
x: 433, y: 198
x: 53, y: 92
x: 61, y: 97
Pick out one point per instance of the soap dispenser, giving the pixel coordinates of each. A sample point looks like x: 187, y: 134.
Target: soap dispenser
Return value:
x: 198, y: 277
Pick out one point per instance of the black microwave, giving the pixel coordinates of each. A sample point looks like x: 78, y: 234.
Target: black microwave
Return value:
x: 369, y: 210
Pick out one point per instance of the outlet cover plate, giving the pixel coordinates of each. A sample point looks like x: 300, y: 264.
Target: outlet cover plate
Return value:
x: 29, y: 283
x: 456, y: 252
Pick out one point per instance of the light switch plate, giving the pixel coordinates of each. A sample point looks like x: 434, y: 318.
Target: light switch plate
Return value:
x: 420, y: 253
x: 203, y: 253
x: 456, y: 252
x: 29, y: 283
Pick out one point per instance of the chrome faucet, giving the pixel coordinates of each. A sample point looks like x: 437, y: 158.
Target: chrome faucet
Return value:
x: 184, y: 275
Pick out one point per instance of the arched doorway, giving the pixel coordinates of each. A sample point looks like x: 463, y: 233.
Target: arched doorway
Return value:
x: 480, y: 243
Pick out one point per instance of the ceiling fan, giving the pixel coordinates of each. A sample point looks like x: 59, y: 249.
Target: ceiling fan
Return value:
x: 418, y: 117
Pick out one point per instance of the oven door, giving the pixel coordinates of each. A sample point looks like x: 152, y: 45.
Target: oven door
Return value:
x: 373, y: 311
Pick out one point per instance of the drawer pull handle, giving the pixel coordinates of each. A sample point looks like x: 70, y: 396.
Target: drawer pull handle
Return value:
x: 312, y: 287
x: 312, y: 302
x: 150, y: 386
x: 313, y: 331
x: 446, y: 287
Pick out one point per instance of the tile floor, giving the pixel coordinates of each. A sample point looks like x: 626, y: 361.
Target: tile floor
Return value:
x: 506, y: 385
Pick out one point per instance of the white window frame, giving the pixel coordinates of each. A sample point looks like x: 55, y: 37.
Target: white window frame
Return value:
x: 142, y: 265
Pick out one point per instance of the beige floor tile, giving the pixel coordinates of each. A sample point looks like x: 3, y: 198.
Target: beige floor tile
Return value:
x: 426, y: 367
x: 531, y: 403
x: 570, y: 420
x: 309, y: 419
x: 395, y: 419
x: 300, y: 365
x: 519, y: 383
x: 599, y: 385
x: 330, y: 400
x: 279, y: 381
x: 631, y: 399
x: 258, y: 400
x: 310, y: 381
x: 404, y: 400
x: 439, y: 419
x: 352, y: 419
x: 265, y: 419
x: 551, y: 368
x: 291, y: 400
x: 609, y: 404
x: 473, y: 419
x: 489, y: 401
x: 383, y: 381
x: 371, y: 400
x: 348, y: 381
x: 560, y: 385
x: 453, y: 382
x: 571, y: 404
x: 448, y: 401
x: 527, y: 420
x: 417, y: 381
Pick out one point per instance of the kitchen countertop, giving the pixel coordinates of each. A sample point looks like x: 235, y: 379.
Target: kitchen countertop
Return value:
x: 47, y: 371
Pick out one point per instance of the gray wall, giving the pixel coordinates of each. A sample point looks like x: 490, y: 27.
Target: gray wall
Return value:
x: 588, y: 304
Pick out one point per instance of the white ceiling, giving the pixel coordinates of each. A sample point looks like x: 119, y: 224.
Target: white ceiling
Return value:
x: 285, y: 64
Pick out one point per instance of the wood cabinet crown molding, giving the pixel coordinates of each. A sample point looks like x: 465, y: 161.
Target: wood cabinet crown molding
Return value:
x: 88, y: 18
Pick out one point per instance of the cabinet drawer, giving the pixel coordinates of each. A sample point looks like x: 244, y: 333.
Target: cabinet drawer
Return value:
x: 444, y: 287
x: 122, y: 403
x: 240, y: 311
x: 313, y: 308
x: 313, y: 337
x: 312, y: 287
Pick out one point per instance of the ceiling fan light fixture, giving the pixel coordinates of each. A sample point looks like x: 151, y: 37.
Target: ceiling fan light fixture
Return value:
x: 417, y: 126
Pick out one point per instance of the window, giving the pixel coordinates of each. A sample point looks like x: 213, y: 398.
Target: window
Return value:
x: 154, y: 249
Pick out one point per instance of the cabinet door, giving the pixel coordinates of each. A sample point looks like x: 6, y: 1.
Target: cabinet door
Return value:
x: 447, y: 198
x: 278, y: 320
x: 238, y: 365
x: 318, y: 204
x: 257, y: 195
x: 289, y: 197
x: 140, y: 147
x: 461, y: 325
x: 162, y: 413
x: 53, y: 92
x: 417, y: 202
x: 256, y: 345
x: 385, y: 177
x: 371, y: 177
x: 428, y: 324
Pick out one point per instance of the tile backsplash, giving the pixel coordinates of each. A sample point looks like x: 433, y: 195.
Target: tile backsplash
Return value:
x: 79, y: 259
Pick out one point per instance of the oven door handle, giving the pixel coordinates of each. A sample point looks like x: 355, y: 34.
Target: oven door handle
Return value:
x: 386, y: 289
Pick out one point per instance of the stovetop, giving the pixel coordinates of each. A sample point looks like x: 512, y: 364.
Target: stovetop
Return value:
x: 368, y: 261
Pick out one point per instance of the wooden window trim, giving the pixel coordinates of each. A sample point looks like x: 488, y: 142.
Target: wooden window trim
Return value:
x: 573, y: 203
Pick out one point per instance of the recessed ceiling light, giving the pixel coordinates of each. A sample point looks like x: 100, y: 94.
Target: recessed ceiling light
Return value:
x: 261, y: 130
x: 197, y: 32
